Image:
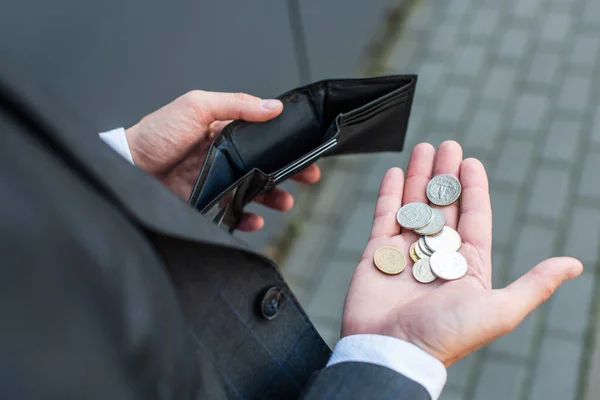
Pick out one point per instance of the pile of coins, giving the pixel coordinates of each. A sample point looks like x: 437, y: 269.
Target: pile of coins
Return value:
x: 435, y: 252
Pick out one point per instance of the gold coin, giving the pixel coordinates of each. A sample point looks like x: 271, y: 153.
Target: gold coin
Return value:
x: 389, y: 260
x: 412, y: 252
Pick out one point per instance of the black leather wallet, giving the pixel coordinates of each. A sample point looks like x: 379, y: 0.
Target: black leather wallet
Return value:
x: 329, y: 117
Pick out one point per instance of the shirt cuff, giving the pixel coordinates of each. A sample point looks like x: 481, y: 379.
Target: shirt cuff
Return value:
x: 118, y: 141
x: 395, y: 354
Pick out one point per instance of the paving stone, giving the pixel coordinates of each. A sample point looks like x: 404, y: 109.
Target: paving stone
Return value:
x: 444, y: 39
x: 549, y: 194
x: 575, y: 93
x: 526, y: 8
x: 430, y: 76
x: 459, y: 372
x: 328, y: 329
x: 421, y: 18
x: 514, y: 43
x: 457, y: 8
x: 584, y: 51
x: 450, y: 394
x: 437, y: 135
x: 589, y: 178
x: 534, y: 244
x: 591, y: 13
x: 504, y: 205
x: 500, y: 381
x: 484, y: 23
x: 556, y: 27
x: 340, y: 183
x: 570, y: 306
x: 592, y: 390
x: 557, y: 370
x: 519, y: 342
x: 415, y: 125
x: 544, y: 68
x: 499, y: 269
x: 452, y: 105
x: 403, y: 53
x: 514, y: 161
x: 469, y: 60
x: 355, y: 233
x: 563, y: 139
x: 303, y: 260
x: 330, y: 292
x: 500, y: 82
x: 583, y: 223
x: 381, y: 164
x: 596, y: 127
x: 529, y: 112
x: 483, y: 129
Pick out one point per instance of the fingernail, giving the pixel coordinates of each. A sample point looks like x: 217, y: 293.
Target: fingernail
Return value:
x: 271, y: 104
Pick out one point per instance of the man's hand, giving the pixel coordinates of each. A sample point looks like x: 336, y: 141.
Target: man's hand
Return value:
x: 171, y: 143
x: 446, y: 319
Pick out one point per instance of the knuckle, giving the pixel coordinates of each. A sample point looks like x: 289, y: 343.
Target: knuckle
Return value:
x: 242, y: 97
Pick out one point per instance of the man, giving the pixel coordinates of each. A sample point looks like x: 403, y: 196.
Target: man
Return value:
x: 113, y: 288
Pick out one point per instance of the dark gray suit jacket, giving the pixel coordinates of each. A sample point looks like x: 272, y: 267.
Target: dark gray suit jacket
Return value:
x: 113, y: 288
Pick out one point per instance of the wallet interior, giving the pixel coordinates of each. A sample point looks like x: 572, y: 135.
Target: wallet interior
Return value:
x: 306, y: 129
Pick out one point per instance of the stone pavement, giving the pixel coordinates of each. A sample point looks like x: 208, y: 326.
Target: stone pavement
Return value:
x: 513, y: 82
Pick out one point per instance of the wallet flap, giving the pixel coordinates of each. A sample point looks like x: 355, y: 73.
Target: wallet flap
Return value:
x: 325, y: 118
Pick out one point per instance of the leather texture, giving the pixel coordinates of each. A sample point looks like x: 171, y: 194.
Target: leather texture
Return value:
x: 106, y: 295
x: 330, y: 117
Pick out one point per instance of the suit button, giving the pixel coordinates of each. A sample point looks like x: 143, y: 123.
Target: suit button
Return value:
x: 271, y: 303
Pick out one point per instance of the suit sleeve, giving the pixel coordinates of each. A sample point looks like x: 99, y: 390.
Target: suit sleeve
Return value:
x: 358, y: 380
x: 377, y: 366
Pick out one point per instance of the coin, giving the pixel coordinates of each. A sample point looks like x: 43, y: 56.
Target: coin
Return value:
x: 389, y: 260
x: 412, y: 253
x: 448, y: 265
x: 435, y: 225
x: 447, y: 240
x: 422, y: 271
x: 443, y: 190
x: 414, y: 215
x: 422, y: 246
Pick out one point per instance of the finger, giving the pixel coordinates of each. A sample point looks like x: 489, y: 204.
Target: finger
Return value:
x: 310, y: 174
x: 277, y: 199
x: 216, y: 127
x: 388, y: 204
x: 475, y: 221
x: 521, y: 297
x: 214, y: 106
x: 251, y: 222
x: 418, y: 175
x: 447, y: 161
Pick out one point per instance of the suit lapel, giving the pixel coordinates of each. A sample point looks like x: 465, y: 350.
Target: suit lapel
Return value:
x: 144, y: 199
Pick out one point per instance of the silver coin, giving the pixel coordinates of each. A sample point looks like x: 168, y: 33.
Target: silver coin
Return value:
x: 448, y: 265
x: 447, y: 240
x: 420, y: 253
x: 443, y: 190
x: 422, y: 247
x: 435, y: 225
x: 422, y: 271
x: 414, y: 215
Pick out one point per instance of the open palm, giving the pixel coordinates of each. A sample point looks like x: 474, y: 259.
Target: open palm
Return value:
x: 448, y: 319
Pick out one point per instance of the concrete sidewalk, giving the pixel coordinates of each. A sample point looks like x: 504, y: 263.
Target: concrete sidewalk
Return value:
x: 513, y: 82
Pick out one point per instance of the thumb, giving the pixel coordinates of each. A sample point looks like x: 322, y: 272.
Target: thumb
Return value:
x: 215, y: 106
x: 535, y: 287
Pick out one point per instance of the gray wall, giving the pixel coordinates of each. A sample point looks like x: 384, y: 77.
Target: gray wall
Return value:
x: 113, y: 61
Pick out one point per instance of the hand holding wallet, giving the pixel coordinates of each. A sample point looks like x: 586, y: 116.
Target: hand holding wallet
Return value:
x: 329, y: 117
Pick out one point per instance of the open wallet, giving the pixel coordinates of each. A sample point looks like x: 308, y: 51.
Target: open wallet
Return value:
x: 325, y: 118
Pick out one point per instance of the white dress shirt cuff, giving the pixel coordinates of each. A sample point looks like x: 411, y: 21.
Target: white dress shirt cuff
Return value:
x: 118, y: 141
x: 395, y: 354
